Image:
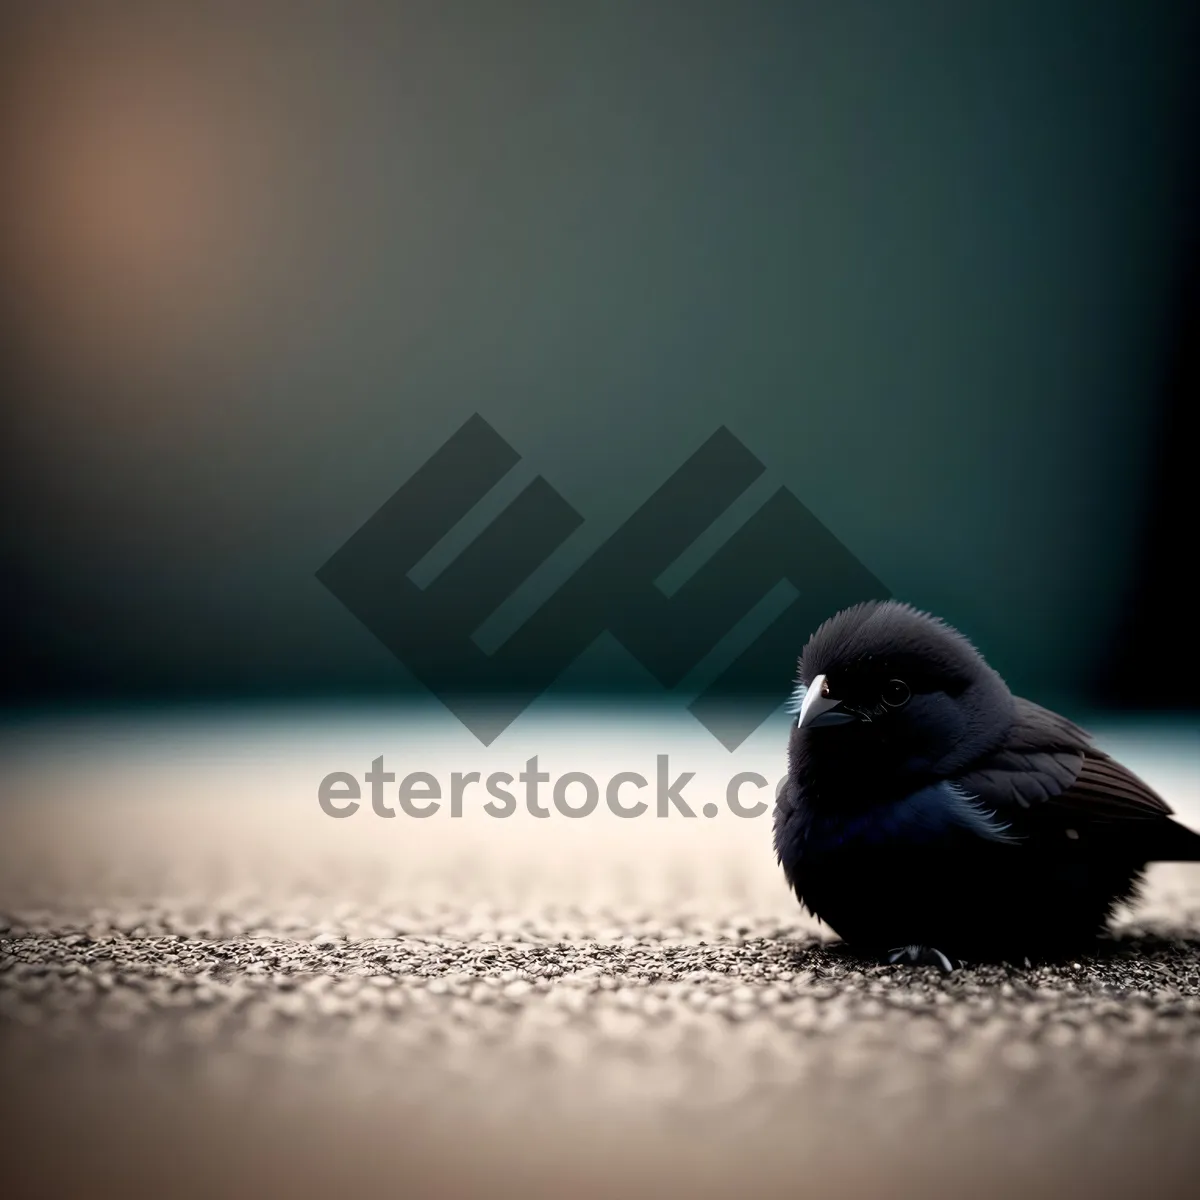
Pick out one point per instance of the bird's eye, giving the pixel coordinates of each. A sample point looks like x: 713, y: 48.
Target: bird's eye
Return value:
x: 896, y: 693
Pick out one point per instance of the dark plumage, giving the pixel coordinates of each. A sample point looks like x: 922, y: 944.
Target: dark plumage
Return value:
x: 930, y: 814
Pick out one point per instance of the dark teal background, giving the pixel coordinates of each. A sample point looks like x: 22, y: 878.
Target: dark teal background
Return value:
x: 925, y: 260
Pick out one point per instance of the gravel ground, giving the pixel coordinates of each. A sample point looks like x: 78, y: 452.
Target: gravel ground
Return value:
x: 228, y: 997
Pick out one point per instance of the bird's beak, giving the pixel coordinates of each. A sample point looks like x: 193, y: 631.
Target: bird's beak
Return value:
x: 820, y: 708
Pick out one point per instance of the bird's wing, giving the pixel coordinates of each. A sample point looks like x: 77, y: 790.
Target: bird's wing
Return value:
x: 1082, y: 783
x: 1011, y: 780
x: 1104, y: 790
x: 1066, y: 785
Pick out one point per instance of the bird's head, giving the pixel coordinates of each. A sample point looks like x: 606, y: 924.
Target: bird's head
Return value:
x: 899, y: 691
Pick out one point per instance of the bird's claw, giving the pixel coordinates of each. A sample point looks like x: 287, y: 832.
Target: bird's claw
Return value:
x: 917, y: 955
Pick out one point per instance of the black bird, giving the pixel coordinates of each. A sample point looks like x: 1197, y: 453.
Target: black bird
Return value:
x: 929, y: 814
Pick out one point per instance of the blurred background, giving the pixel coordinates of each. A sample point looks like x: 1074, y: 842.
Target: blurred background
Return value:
x: 933, y: 264
x: 936, y: 266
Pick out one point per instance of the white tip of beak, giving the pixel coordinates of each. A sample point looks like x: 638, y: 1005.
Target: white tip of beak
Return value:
x: 810, y: 698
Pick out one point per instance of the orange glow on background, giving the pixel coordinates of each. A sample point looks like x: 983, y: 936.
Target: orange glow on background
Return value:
x: 137, y: 190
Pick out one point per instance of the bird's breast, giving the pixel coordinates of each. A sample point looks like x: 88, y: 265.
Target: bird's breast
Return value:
x: 938, y: 813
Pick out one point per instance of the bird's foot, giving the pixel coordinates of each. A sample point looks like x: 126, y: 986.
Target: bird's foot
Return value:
x: 921, y: 956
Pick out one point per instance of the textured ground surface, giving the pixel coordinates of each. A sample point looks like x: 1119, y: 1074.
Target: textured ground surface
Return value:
x: 226, y: 992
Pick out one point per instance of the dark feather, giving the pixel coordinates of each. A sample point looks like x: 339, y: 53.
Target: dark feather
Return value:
x: 1049, y: 764
x: 1105, y: 790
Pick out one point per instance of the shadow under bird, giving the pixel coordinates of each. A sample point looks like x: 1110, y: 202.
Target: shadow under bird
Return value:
x: 930, y: 815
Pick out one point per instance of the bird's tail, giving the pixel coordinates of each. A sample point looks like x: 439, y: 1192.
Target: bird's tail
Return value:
x: 1175, y: 843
